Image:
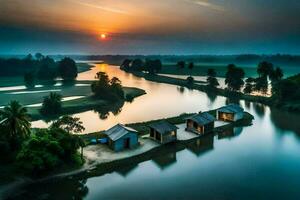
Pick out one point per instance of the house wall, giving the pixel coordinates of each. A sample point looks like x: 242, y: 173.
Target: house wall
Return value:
x: 238, y: 116
x: 119, y: 145
x: 169, y: 137
x: 196, y: 129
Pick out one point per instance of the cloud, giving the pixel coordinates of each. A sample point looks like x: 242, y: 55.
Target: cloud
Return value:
x: 101, y: 7
x: 207, y: 4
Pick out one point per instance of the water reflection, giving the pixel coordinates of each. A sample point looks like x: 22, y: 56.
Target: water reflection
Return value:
x: 286, y: 121
x: 230, y: 133
x: 201, y: 145
x: 126, y: 170
x: 260, y: 109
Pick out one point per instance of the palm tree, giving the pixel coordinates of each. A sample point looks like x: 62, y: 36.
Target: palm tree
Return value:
x: 16, y: 119
x: 52, y: 104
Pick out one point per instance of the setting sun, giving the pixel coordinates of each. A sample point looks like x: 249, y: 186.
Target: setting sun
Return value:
x: 103, y: 36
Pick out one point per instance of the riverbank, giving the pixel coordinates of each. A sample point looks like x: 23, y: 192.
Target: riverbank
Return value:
x: 293, y: 106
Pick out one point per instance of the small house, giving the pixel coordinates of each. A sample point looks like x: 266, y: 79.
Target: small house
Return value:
x: 121, y: 137
x: 163, y: 132
x: 201, y: 123
x: 231, y: 113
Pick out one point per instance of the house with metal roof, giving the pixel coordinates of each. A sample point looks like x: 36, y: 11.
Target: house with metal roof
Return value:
x: 163, y: 132
x: 201, y: 123
x: 121, y: 137
x: 231, y: 113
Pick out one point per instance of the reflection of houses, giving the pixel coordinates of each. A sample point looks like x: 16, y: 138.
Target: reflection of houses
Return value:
x: 201, y: 123
x: 163, y: 131
x: 124, y: 171
x: 229, y: 133
x: 201, y: 145
x: 121, y: 137
x: 231, y: 112
x: 166, y: 160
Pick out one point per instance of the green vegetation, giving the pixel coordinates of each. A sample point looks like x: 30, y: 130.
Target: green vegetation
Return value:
x: 67, y: 69
x: 152, y: 66
x: 211, y: 78
x: 234, y: 78
x: 52, y: 104
x: 107, y: 89
x: 42, y: 150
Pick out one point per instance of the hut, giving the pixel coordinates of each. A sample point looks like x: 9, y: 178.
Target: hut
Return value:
x: 121, y: 137
x: 163, y: 131
x: 201, y: 123
x: 231, y: 113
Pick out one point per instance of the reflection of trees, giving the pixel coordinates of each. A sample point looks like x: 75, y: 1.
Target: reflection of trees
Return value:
x: 233, y: 100
x: 260, y: 109
x: 247, y: 104
x: 104, y: 110
x: 68, y: 83
x: 60, y: 189
x: 211, y: 95
x: 286, y: 121
x: 181, y: 89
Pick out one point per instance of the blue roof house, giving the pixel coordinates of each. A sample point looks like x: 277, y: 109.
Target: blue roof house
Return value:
x: 121, y: 137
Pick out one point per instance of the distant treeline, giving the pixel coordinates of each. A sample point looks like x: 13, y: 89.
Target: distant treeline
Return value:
x: 38, y: 67
x: 278, y: 59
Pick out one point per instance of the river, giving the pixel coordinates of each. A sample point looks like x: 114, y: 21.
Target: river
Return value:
x: 261, y: 161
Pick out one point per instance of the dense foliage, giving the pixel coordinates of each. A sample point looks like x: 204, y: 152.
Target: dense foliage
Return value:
x: 52, y: 104
x: 151, y: 66
x: 234, y: 77
x: 48, y: 149
x: 67, y: 69
x: 211, y: 78
x: 107, y: 89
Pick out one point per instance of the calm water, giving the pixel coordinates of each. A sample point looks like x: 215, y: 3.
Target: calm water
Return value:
x: 261, y: 161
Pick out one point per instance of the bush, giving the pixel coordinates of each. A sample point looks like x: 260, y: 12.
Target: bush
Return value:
x: 47, y: 150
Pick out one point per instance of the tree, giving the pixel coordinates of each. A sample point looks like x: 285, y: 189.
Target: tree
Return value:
x: 68, y: 69
x: 276, y: 75
x: 39, y: 56
x: 181, y: 64
x: 234, y: 77
x: 125, y: 65
x: 45, y: 73
x: 153, y: 66
x: 48, y: 149
x: 71, y: 125
x: 29, y: 80
x: 137, y: 64
x: 249, y: 85
x: 261, y: 84
x: 52, y: 104
x: 190, y: 81
x: 68, y: 124
x: 107, y: 89
x: 264, y: 69
x: 211, y: 79
x: 191, y: 65
x: 15, y: 119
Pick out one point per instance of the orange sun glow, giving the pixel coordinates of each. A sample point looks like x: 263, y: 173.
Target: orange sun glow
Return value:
x: 103, y: 36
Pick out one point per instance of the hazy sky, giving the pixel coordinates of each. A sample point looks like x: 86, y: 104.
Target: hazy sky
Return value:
x: 150, y: 26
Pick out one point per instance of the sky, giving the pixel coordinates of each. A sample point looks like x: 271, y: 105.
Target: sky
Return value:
x: 150, y: 26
